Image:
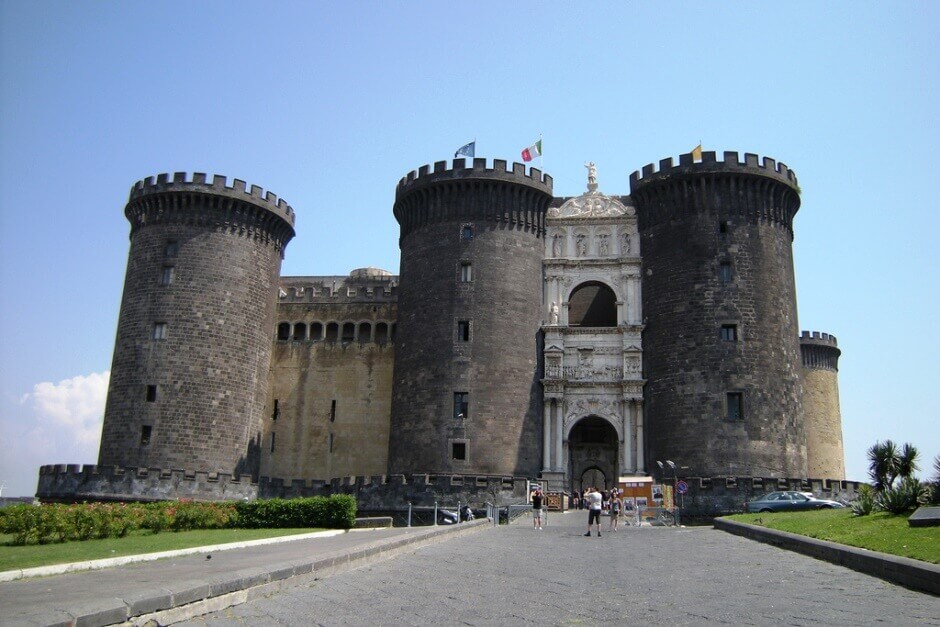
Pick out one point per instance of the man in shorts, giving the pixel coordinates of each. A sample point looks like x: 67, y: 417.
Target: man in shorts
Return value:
x: 594, y: 499
x: 537, y: 500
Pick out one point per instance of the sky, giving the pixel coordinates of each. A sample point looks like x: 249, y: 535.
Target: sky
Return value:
x: 328, y: 105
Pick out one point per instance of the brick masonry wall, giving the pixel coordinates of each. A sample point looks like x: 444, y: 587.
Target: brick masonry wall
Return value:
x: 211, y: 370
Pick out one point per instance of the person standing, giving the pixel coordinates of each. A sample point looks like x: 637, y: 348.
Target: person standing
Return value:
x: 616, y: 505
x: 537, y: 501
x: 594, y: 500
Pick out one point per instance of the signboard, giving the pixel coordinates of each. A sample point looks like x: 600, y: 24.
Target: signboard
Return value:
x: 682, y: 487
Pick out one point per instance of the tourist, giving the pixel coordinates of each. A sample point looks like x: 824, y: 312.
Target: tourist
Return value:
x: 615, y: 507
x: 537, y: 501
x: 593, y: 498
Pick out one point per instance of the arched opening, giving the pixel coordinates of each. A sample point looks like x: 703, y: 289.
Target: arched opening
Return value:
x: 300, y: 332
x: 381, y: 333
x: 349, y: 331
x: 332, y: 332
x: 593, y: 454
x: 316, y: 331
x: 283, y: 331
x: 592, y: 304
x: 365, y: 332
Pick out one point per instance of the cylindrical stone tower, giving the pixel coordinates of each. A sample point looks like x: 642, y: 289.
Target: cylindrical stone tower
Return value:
x: 195, y: 332
x: 721, y: 342
x: 824, y: 453
x: 466, y: 395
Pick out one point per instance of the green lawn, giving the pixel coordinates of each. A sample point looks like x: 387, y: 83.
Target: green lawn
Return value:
x: 14, y: 557
x: 881, y: 531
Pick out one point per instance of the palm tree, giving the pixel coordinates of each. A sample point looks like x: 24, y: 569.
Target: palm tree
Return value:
x: 884, y: 464
x: 907, y: 461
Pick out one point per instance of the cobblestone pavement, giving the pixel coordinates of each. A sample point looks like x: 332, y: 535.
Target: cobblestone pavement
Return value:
x: 646, y: 576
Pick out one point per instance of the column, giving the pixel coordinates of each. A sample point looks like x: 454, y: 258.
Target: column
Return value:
x: 640, y: 462
x: 559, y: 436
x: 547, y: 435
x: 625, y: 410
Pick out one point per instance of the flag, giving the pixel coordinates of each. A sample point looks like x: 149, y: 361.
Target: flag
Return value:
x: 697, y: 153
x: 467, y: 150
x: 533, y: 151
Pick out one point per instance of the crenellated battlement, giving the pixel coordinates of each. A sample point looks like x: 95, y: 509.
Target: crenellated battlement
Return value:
x: 199, y: 183
x: 815, y: 337
x: 710, y: 164
x: 477, y: 170
x: 819, y: 351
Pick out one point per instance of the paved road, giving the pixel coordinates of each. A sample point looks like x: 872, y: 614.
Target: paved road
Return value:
x: 648, y: 576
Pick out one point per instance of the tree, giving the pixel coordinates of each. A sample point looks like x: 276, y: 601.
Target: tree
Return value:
x: 892, y: 474
x: 883, y: 466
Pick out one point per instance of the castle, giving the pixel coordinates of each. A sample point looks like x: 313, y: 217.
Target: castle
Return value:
x: 578, y: 340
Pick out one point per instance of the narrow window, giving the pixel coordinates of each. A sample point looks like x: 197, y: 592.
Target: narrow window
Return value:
x: 332, y: 331
x: 723, y: 226
x: 458, y: 451
x: 145, y: 432
x: 466, y: 233
x: 331, y: 442
x: 349, y: 332
x: 172, y: 248
x: 381, y: 333
x: 724, y: 272
x: 166, y: 277
x: 735, y: 405
x: 316, y: 331
x: 333, y: 411
x: 463, y: 330
x: 159, y: 330
x: 272, y: 441
x: 283, y: 331
x: 729, y: 332
x: 466, y: 272
x: 365, y: 332
x: 277, y: 411
x: 300, y: 332
x: 151, y: 394
x: 461, y: 405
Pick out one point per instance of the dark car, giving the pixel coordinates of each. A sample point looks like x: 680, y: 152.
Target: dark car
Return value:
x: 789, y: 501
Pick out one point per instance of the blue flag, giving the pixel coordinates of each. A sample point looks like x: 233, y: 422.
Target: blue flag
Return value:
x: 467, y: 150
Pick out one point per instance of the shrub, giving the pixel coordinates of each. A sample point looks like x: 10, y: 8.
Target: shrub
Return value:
x: 865, y: 501
x: 337, y: 512
x: 902, y: 498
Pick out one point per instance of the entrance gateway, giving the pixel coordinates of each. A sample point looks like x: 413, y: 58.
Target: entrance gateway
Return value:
x: 593, y: 385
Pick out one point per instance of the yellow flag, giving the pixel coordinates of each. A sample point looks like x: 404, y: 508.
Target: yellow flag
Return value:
x: 697, y: 153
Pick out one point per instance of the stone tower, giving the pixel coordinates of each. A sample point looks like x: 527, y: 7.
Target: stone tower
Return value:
x: 196, y: 326
x: 824, y: 453
x: 724, y: 390
x: 466, y: 396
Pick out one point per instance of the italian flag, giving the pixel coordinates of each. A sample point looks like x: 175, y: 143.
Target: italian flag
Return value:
x: 533, y: 151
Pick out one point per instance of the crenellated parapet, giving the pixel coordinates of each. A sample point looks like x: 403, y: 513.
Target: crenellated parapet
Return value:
x: 757, y: 190
x: 517, y: 197
x: 199, y: 201
x: 819, y: 350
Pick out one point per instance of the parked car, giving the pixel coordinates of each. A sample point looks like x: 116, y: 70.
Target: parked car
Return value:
x: 446, y: 517
x: 789, y: 501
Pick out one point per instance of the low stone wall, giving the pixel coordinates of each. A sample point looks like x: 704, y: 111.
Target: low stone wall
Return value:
x: 709, y: 497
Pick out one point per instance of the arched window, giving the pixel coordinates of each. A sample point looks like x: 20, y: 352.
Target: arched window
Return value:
x: 283, y: 331
x: 300, y: 332
x: 349, y: 332
x: 381, y: 333
x: 316, y: 331
x: 365, y: 332
x: 592, y: 304
x: 332, y: 332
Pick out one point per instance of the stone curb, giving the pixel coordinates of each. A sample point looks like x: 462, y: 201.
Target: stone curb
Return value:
x: 174, y: 601
x: 60, y: 569
x: 907, y: 572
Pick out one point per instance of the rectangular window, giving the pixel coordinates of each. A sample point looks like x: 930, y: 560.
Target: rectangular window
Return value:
x: 466, y: 272
x: 735, y: 406
x: 463, y: 330
x: 277, y: 411
x: 145, y: 432
x: 151, y: 394
x: 166, y: 277
x: 159, y: 330
x: 333, y: 412
x: 724, y: 272
x: 729, y: 332
x: 458, y: 451
x: 723, y: 226
x: 272, y: 441
x: 466, y: 232
x: 172, y: 248
x: 331, y: 442
x: 461, y: 405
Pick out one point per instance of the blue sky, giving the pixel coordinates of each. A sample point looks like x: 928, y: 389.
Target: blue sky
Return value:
x: 328, y: 105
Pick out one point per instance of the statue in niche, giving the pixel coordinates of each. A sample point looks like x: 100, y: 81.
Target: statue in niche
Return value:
x: 553, y: 313
x: 558, y: 245
x: 581, y: 244
x: 603, y: 244
x: 624, y: 243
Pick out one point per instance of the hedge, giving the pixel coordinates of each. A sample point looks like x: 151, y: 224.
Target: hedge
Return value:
x: 54, y: 522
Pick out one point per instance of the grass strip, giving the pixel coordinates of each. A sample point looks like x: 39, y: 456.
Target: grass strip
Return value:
x: 881, y: 531
x: 138, y: 542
